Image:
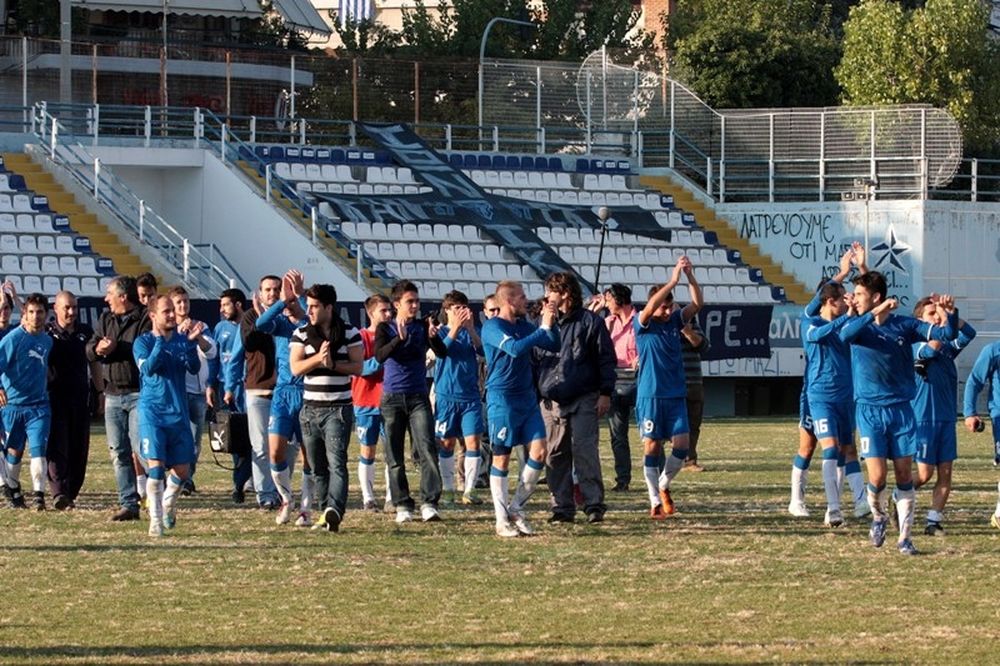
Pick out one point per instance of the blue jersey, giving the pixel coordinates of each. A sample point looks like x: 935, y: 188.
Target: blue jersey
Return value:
x: 882, y: 358
x: 937, y: 387
x: 985, y: 372
x: 509, y: 374
x: 163, y: 365
x: 280, y: 327
x: 24, y: 362
x: 661, y: 366
x: 456, y: 376
x: 227, y: 336
x: 828, y: 360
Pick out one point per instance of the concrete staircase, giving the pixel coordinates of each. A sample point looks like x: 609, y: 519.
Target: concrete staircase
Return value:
x: 102, y: 240
x: 705, y: 217
x: 337, y: 254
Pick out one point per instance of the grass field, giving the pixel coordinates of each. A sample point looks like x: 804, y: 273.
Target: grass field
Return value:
x: 731, y: 578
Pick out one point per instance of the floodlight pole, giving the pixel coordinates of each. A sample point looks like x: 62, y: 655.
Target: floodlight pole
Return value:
x: 602, y: 215
x: 482, y: 54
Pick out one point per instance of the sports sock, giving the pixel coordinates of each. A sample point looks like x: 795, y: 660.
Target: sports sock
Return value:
x: 651, y: 472
x: 471, y: 462
x: 170, y: 494
x: 855, y: 480
x: 140, y: 485
x: 14, y: 472
x: 388, y: 490
x: 39, y: 468
x: 499, y: 491
x: 282, y: 477
x: 906, y: 501
x: 800, y: 467
x: 876, y: 501
x: 446, y: 462
x: 526, y: 484
x: 997, y: 512
x: 673, y: 465
x: 305, y: 499
x: 3, y: 471
x: 830, y: 479
x: 841, y: 471
x: 934, y: 516
x: 366, y: 478
x: 154, y: 493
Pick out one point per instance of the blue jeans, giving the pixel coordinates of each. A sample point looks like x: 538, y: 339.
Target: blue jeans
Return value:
x: 411, y: 412
x: 622, y: 404
x: 258, y: 413
x: 326, y: 432
x: 197, y: 406
x: 121, y: 422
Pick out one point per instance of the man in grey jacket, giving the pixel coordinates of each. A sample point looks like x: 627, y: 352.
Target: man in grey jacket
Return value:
x: 575, y: 387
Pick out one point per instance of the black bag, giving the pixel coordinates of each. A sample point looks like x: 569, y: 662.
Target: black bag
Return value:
x: 229, y: 433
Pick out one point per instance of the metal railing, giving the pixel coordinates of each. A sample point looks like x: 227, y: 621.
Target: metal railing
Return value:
x: 203, y: 268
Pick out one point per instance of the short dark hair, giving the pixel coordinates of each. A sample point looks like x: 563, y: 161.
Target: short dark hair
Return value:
x: 873, y: 281
x: 622, y: 294
x: 656, y: 287
x: 235, y: 295
x: 269, y: 277
x: 566, y: 283
x: 830, y: 290
x: 146, y: 280
x: 918, y: 309
x: 324, y: 293
x: 402, y: 287
x: 454, y: 297
x: 375, y: 299
x: 36, y: 299
x: 125, y: 284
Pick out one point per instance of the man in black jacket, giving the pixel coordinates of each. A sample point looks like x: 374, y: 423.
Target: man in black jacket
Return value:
x: 575, y: 387
x: 111, y: 347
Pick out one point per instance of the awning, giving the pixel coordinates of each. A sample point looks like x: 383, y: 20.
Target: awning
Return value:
x: 234, y: 8
x: 301, y: 15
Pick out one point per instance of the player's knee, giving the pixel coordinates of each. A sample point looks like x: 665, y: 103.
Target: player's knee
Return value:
x: 157, y: 473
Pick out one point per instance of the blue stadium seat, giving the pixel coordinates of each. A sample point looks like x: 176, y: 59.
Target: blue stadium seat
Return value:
x: 470, y: 161
x: 308, y: 154
x: 275, y: 153
x: 455, y: 160
x: 322, y: 154
x: 293, y: 153
x: 105, y: 266
x: 16, y: 182
x: 337, y: 156
x: 583, y: 165
x: 499, y: 162
x: 383, y: 157
x: 81, y: 244
x: 485, y: 162
x: 246, y: 153
x: 40, y: 203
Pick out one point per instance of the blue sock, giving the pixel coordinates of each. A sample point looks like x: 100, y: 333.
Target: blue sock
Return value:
x: 800, y: 462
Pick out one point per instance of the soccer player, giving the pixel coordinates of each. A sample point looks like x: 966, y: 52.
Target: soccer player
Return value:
x: 512, y: 408
x: 280, y: 321
x: 164, y: 357
x: 7, y: 300
x: 401, y: 346
x: 935, y: 406
x: 985, y: 373
x: 882, y: 369
x: 24, y: 362
x: 366, y: 394
x: 326, y: 352
x: 458, y: 410
x: 229, y: 375
x: 660, y: 407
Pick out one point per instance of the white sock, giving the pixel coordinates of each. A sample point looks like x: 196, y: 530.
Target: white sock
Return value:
x: 446, y: 462
x: 856, y: 482
x: 500, y: 492
x: 877, y: 503
x: 140, y: 485
x: 305, y: 501
x: 935, y: 516
x: 674, y: 464
x: 526, y: 485
x: 3, y: 470
x: 154, y: 492
x: 39, y: 468
x: 997, y: 512
x: 388, y: 493
x: 651, y: 472
x: 171, y: 493
x: 283, y: 482
x: 14, y: 476
x: 798, y: 485
x: 831, y: 484
x: 471, y: 464
x: 906, y: 503
x: 366, y: 478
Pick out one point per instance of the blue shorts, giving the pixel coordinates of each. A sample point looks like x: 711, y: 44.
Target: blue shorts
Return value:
x: 886, y: 431
x: 369, y: 427
x: 661, y: 419
x: 805, y: 420
x: 833, y: 420
x: 286, y: 403
x: 27, y: 424
x: 936, y: 442
x: 172, y: 445
x: 458, y: 418
x: 515, y: 424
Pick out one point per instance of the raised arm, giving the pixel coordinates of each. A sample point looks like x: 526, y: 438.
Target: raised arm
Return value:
x: 148, y: 355
x: 852, y: 329
x: 980, y: 376
x: 694, y: 289
x: 657, y: 299
x: 819, y: 333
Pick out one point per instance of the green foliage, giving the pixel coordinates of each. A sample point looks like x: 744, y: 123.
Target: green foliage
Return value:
x: 938, y: 54
x: 745, y: 53
x: 271, y: 31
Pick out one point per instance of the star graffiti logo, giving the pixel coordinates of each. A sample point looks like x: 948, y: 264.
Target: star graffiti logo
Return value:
x: 890, y: 250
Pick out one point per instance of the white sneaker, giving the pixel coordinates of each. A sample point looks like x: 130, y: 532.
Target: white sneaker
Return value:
x: 403, y: 515
x: 155, y: 529
x: 304, y: 519
x: 522, y: 524
x: 507, y: 531
x: 284, y: 514
x: 833, y: 518
x: 862, y: 508
x: 429, y: 513
x: 798, y: 509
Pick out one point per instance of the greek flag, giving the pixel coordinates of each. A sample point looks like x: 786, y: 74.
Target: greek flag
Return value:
x: 354, y: 11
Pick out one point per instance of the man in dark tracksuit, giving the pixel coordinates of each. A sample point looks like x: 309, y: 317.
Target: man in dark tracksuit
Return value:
x: 69, y: 393
x: 575, y: 387
x: 111, y: 347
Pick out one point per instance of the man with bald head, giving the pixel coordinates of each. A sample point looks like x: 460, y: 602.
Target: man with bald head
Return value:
x: 69, y: 390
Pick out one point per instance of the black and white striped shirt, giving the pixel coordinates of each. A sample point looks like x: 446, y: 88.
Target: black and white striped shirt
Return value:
x: 325, y: 387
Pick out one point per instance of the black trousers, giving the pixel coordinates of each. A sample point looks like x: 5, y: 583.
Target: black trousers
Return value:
x: 69, y: 446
